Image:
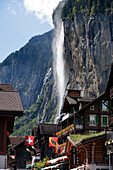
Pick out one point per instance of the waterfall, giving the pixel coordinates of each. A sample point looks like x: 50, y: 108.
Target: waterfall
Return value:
x: 58, y: 61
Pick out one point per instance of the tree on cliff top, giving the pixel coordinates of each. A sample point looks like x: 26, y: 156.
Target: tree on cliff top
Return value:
x: 90, y: 7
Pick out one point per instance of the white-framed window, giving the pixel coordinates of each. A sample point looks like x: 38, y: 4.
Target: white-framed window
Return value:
x: 92, y: 107
x: 104, y: 120
x: 105, y: 106
x: 92, y: 120
x: 92, y: 132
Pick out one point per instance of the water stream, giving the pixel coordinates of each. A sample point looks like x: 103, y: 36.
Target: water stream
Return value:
x: 59, y: 67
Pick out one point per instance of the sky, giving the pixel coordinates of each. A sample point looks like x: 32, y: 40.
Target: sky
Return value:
x: 22, y: 19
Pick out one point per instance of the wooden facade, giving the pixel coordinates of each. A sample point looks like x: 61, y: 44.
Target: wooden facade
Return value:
x: 109, y: 94
x: 90, y: 119
x: 3, y: 136
x: 10, y: 107
x: 89, y: 151
x: 43, y: 132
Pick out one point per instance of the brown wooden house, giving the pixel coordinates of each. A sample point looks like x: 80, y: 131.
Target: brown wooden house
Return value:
x: 43, y: 132
x: 72, y: 103
x: 90, y: 119
x: 109, y: 94
x: 10, y: 106
x: 87, y: 153
x: 22, y: 156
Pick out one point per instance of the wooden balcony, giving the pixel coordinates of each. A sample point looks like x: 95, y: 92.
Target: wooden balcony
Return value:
x: 111, y: 120
x: 111, y: 92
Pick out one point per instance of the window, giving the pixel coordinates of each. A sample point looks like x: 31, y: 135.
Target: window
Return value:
x: 92, y: 132
x: 105, y: 106
x: 92, y: 107
x: 92, y: 120
x: 104, y: 120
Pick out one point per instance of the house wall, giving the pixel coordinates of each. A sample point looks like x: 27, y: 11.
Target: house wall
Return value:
x: 22, y: 155
x: 3, y: 161
x: 48, y: 150
x: 3, y: 132
x: 98, y: 112
x: 95, y: 152
x: 45, y: 150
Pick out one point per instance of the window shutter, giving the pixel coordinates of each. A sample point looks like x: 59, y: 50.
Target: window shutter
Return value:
x: 100, y: 105
x: 105, y: 121
x: 97, y: 120
x: 109, y: 105
x: 88, y: 119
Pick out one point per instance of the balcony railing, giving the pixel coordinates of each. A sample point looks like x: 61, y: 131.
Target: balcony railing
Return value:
x: 111, y: 120
x: 66, y: 130
x: 79, y: 126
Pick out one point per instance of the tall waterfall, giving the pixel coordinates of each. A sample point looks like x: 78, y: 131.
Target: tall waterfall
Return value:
x: 59, y: 72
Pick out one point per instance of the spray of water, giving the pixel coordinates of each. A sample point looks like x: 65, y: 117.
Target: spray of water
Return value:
x: 58, y: 43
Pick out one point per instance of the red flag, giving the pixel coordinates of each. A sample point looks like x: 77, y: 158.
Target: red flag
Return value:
x: 53, y: 141
x: 59, y: 149
x: 29, y: 140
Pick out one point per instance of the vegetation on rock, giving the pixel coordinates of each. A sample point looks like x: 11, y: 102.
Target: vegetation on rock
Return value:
x: 90, y: 7
x: 46, y: 111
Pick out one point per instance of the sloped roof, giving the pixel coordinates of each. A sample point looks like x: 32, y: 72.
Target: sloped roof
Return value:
x: 71, y: 100
x: 100, y: 97
x: 6, y: 87
x: 10, y: 101
x: 84, y: 99
x: 47, y: 129
x: 16, y: 140
x: 83, y: 139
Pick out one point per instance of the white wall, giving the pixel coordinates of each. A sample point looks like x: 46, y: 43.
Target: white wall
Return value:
x: 3, y: 161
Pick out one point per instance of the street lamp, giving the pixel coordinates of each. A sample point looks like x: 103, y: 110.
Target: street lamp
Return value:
x: 109, y: 146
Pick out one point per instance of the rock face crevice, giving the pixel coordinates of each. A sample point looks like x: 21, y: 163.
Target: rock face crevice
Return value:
x: 88, y: 52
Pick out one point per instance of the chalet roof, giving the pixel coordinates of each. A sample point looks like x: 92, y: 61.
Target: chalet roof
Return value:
x: 84, y: 99
x: 87, y: 139
x: 71, y: 100
x: 47, y: 129
x: 6, y: 87
x: 16, y: 140
x: 100, y: 97
x: 10, y: 101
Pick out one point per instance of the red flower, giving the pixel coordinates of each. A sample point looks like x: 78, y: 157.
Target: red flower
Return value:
x: 66, y: 158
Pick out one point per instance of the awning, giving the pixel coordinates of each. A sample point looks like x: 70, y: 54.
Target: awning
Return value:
x: 81, y: 167
x: 53, y: 161
x: 54, y: 166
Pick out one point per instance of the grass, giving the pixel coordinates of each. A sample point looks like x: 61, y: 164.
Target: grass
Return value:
x: 78, y: 138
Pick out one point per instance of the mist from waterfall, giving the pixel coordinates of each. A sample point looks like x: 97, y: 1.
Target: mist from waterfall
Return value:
x: 59, y: 68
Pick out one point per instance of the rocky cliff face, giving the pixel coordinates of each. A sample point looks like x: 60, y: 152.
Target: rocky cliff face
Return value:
x: 88, y: 52
x: 30, y: 71
x: 26, y: 69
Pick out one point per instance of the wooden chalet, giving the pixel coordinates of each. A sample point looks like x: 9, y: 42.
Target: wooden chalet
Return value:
x: 10, y: 107
x: 91, y: 118
x: 43, y: 132
x: 22, y: 156
x: 72, y: 103
x: 89, y: 153
x: 109, y: 94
